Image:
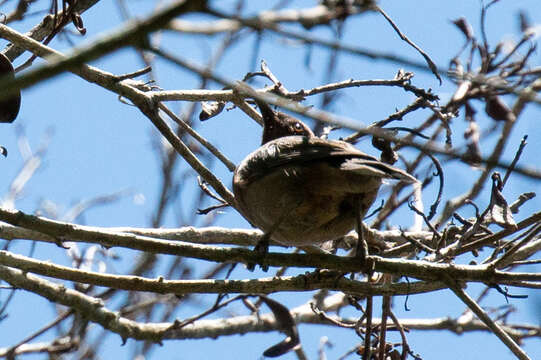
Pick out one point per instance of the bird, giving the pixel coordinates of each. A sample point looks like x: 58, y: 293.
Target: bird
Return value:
x: 302, y: 190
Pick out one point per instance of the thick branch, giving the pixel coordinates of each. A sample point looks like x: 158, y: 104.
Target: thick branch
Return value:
x: 307, y: 282
x: 94, y: 310
x: 418, y: 269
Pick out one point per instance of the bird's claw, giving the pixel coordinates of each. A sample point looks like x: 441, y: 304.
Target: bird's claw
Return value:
x: 261, y: 249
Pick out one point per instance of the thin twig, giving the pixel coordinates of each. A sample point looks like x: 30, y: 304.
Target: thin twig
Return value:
x: 405, y: 345
x: 368, y: 332
x: 439, y: 173
x: 385, y: 312
x: 308, y: 38
x: 515, y: 159
x: 228, y: 163
x: 429, y: 61
x: 425, y: 218
x: 277, y: 83
x: 483, y: 316
x: 41, y: 331
x: 217, y: 306
x: 134, y: 74
x: 509, y: 253
x: 416, y: 243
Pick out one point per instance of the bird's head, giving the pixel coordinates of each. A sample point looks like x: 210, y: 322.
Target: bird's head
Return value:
x: 277, y: 124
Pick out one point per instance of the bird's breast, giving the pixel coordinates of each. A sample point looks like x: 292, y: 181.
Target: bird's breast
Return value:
x: 314, y: 203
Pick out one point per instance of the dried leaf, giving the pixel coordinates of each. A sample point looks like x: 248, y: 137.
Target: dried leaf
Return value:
x: 524, y: 21
x: 473, y: 153
x: 470, y: 112
x: 286, y: 323
x: 280, y: 348
x: 499, y: 212
x: 388, y: 155
x: 521, y: 200
x: 77, y: 21
x: 210, y: 109
x: 498, y: 49
x: 463, y: 25
x: 472, y: 156
x: 9, y: 107
x: 394, y: 355
x: 498, y: 110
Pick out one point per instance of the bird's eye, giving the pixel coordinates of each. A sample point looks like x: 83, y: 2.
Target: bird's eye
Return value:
x: 298, y: 127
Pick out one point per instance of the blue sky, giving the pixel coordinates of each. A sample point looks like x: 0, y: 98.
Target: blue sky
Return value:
x: 100, y: 146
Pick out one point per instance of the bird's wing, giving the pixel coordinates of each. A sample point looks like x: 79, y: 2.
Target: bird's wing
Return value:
x: 375, y: 168
x: 300, y: 150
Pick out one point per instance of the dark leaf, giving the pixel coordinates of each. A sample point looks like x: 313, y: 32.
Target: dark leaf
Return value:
x: 281, y: 348
x: 473, y: 153
x: 388, y: 155
x: 464, y: 26
x: 9, y: 107
x: 498, y: 110
x: 281, y: 313
x: 470, y: 112
x: 286, y: 323
x: 394, y: 355
x: 523, y: 21
x: 498, y: 49
x: 77, y: 21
